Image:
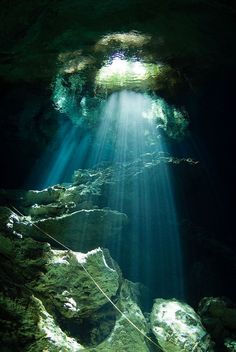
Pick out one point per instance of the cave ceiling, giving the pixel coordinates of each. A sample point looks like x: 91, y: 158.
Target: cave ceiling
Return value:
x: 195, y: 37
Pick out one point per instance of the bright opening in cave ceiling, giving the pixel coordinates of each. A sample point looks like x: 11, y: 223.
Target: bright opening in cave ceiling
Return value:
x: 120, y: 72
x: 118, y: 62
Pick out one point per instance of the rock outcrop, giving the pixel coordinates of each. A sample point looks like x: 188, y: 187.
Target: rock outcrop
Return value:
x: 27, y: 326
x: 178, y: 328
x: 124, y: 336
x: 219, y: 317
x: 81, y: 230
x: 56, y: 299
x: 68, y: 284
x: 50, y: 301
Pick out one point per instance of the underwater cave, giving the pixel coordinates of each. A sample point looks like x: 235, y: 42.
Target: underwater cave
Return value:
x: 117, y: 176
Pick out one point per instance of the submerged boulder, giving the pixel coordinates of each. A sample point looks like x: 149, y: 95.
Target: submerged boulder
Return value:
x: 178, y: 328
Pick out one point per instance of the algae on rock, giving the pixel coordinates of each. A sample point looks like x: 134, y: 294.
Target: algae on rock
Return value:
x: 124, y: 336
x: 70, y: 313
x: 46, y: 291
x: 48, y: 335
x: 68, y: 288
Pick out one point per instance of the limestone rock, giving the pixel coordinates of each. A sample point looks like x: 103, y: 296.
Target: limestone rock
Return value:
x: 46, y: 196
x: 67, y: 285
x: 51, y: 201
x: 27, y: 326
x: 124, y: 336
x: 79, y: 195
x: 40, y: 46
x: 53, y: 209
x: 7, y: 219
x: 219, y: 309
x: 68, y: 214
x: 81, y: 230
x: 219, y: 317
x: 60, y: 200
x: 178, y: 328
x: 30, y: 197
x: 49, y: 336
x: 127, y: 176
x: 66, y: 302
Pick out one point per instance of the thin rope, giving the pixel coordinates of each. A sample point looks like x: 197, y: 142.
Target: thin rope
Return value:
x: 90, y: 276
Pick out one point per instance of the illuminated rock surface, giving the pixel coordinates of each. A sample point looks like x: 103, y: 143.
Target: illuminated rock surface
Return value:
x: 47, y: 292
x: 34, y: 328
x: 48, y: 334
x: 67, y: 287
x: 178, y: 328
x: 48, y: 301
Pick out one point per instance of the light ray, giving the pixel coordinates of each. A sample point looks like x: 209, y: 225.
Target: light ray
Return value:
x: 152, y: 237
x: 128, y: 139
